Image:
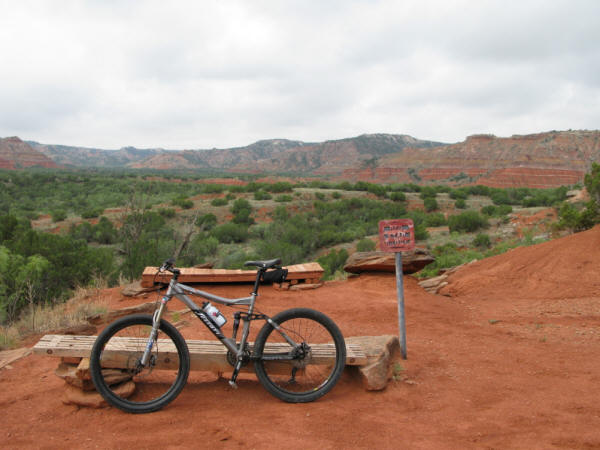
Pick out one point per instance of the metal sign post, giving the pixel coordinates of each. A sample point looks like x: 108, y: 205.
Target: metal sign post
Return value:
x: 398, y: 236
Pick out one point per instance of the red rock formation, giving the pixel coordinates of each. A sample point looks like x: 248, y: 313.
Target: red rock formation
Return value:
x: 15, y: 154
x: 6, y: 164
x: 542, y: 160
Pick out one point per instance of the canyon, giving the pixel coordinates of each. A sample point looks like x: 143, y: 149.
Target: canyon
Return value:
x: 540, y: 160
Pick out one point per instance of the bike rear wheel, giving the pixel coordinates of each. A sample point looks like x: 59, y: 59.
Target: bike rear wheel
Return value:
x: 116, y: 360
x: 318, y: 360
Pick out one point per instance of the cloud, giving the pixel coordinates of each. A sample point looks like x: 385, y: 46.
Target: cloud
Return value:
x: 220, y: 74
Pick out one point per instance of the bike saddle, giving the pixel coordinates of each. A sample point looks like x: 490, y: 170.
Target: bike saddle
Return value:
x: 267, y: 264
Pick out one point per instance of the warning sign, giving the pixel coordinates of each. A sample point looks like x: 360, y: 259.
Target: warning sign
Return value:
x: 396, y: 235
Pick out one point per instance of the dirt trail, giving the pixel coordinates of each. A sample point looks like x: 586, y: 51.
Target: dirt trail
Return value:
x: 517, y: 368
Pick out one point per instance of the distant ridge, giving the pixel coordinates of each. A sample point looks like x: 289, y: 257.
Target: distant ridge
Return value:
x: 542, y: 160
x: 16, y: 154
x: 70, y: 156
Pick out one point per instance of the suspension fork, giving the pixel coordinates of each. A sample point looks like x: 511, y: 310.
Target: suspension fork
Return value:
x: 155, y: 326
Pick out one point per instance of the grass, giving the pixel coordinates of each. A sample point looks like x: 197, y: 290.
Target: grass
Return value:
x: 397, y: 371
x: 51, y: 317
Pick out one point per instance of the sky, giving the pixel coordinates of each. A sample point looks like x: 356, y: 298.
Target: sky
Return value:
x: 206, y: 74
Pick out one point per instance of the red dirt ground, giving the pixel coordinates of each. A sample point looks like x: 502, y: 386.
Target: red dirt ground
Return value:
x: 509, y: 361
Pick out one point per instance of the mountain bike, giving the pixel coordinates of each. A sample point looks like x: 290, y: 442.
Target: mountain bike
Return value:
x: 298, y: 354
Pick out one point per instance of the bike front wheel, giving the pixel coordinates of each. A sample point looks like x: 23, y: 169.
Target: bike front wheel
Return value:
x: 308, y: 370
x: 115, y: 362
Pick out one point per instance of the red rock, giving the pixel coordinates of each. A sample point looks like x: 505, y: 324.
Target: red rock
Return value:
x: 14, y: 154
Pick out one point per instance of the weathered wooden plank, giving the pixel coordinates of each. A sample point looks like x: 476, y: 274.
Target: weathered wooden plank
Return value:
x: 204, y: 355
x: 312, y: 270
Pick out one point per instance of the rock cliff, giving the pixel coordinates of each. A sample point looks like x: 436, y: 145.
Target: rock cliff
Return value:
x: 540, y: 160
x: 16, y: 154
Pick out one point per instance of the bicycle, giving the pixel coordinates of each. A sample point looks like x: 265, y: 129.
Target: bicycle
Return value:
x: 291, y: 354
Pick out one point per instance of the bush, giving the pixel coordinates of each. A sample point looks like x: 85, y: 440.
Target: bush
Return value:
x: 482, y: 241
x: 467, y: 221
x: 199, y: 248
x: 365, y: 245
x: 460, y: 204
x: 447, y: 256
x: 428, y: 192
x: 435, y: 220
x: 430, y: 204
x: 332, y: 262
x: 91, y: 213
x: 280, y: 186
x: 105, y: 232
x: 571, y: 218
x: 219, y: 202
x: 262, y: 195
x: 458, y: 194
x: 183, y: 202
x: 230, y: 232
x: 58, y: 215
x: 496, y: 211
x: 335, y: 195
x: 241, y: 210
x: 167, y: 213
x: 207, y: 221
x: 398, y: 196
x: 283, y: 198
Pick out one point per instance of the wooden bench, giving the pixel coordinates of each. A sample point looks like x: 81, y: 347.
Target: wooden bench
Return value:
x: 309, y: 273
x: 204, y: 355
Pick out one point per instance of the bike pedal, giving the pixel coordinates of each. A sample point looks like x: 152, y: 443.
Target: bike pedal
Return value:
x: 233, y: 384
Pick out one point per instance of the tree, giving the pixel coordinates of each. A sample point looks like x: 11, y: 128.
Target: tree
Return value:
x: 592, y: 183
x: 430, y: 204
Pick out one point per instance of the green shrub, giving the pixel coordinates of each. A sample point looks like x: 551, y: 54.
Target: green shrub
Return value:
x: 467, y: 221
x: 482, y: 240
x: 332, y: 262
x: 572, y: 218
x: 435, y: 220
x: 336, y: 195
x: 105, y: 232
x: 458, y: 194
x: 430, y: 204
x: 183, y: 202
x: 285, y: 198
x: 428, y: 192
x: 199, y: 248
x: 167, y: 213
x: 230, y: 196
x: 58, y: 215
x: 262, y: 195
x: 230, y: 232
x: 460, y: 204
x: 219, y: 201
x: 365, y: 245
x: 398, y: 196
x: 496, y: 211
x: 207, y: 221
x: 447, y: 256
x: 91, y: 213
x: 241, y: 211
x: 279, y: 187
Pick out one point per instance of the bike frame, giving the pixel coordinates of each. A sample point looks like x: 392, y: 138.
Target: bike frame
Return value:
x: 179, y: 290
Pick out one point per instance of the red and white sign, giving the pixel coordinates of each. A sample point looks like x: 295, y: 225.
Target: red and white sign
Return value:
x: 396, y: 235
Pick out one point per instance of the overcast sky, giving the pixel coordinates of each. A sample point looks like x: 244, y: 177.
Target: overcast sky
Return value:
x: 204, y: 74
